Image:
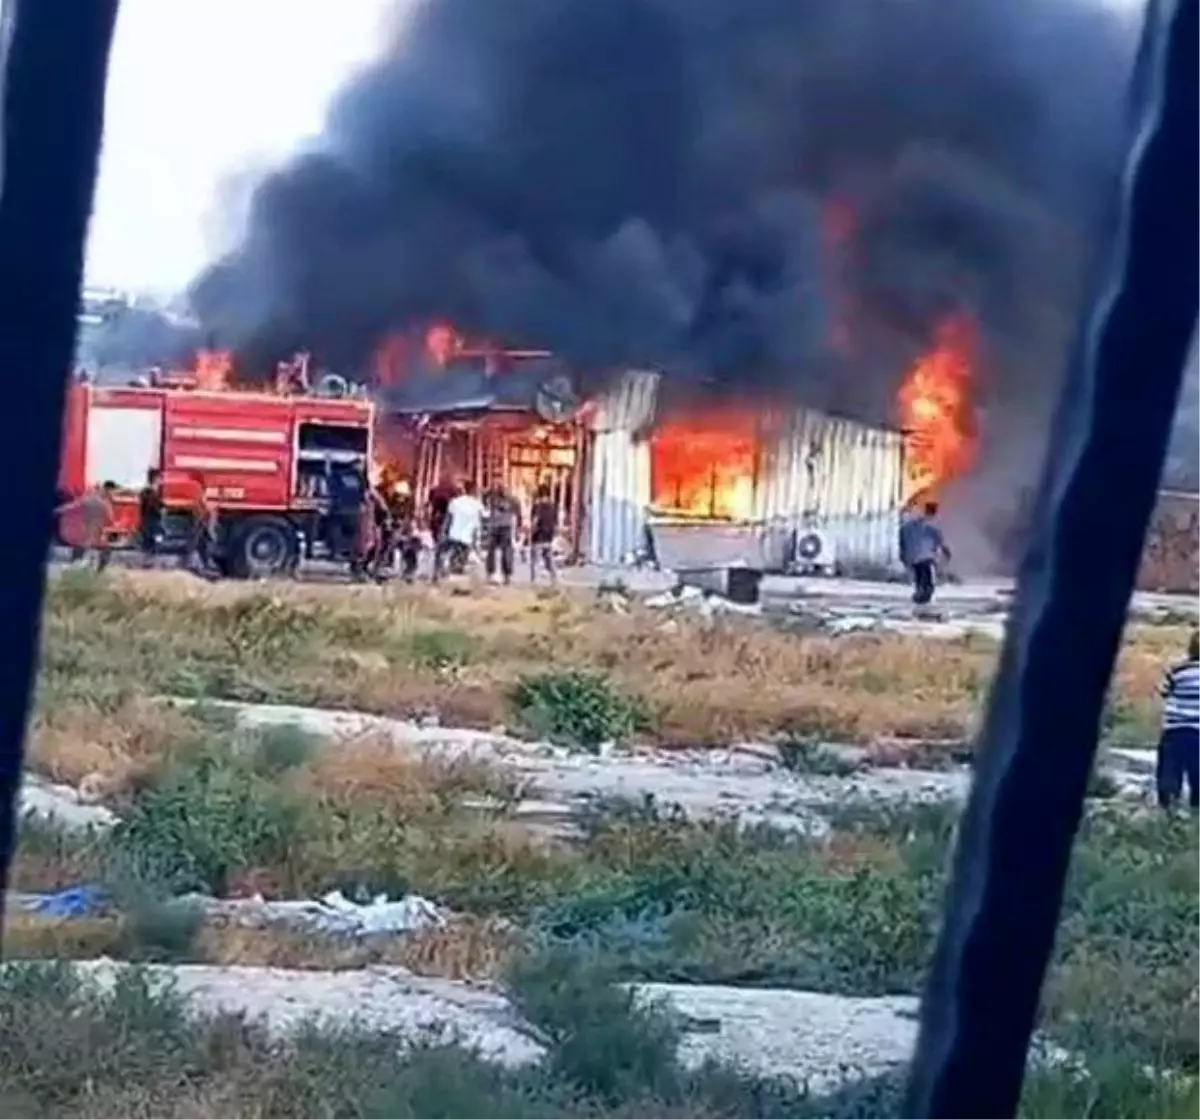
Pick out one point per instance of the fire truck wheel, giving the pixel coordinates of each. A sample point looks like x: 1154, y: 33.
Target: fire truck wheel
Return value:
x: 264, y: 547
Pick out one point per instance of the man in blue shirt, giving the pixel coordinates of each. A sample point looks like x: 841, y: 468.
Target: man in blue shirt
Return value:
x: 922, y: 546
x: 1179, y: 746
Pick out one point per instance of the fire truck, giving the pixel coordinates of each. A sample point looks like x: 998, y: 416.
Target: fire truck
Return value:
x: 284, y: 472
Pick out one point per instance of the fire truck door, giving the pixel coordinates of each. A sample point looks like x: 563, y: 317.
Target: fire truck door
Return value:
x: 122, y: 445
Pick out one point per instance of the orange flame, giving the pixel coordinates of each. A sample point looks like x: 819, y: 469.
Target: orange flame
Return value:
x: 214, y: 369
x: 704, y: 466
x: 937, y: 416
x: 442, y: 342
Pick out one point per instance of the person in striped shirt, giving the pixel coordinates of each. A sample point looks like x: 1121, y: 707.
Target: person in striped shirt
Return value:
x: 1179, y: 746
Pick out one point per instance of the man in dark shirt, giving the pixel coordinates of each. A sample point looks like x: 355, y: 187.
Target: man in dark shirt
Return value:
x: 150, y: 516
x: 922, y: 548
x: 503, y: 520
x: 438, y: 515
x: 543, y: 528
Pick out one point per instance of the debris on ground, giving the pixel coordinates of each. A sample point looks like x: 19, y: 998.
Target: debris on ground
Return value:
x: 62, y: 805
x: 334, y: 914
x: 69, y: 902
x: 896, y: 618
x: 706, y: 604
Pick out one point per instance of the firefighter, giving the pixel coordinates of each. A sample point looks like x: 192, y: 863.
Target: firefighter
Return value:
x: 95, y: 510
x: 150, y: 517
x: 404, y: 538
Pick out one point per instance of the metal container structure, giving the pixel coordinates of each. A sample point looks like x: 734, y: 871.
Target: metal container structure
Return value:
x: 815, y: 472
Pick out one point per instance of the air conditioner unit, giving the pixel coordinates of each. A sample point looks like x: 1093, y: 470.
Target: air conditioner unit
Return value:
x: 814, y: 552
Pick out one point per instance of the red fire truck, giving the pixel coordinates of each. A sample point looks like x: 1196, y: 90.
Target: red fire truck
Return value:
x: 285, y: 472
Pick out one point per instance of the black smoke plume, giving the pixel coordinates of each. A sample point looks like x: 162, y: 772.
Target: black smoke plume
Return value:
x: 644, y: 183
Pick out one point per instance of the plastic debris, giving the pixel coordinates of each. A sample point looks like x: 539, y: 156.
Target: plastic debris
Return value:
x: 333, y: 914
x: 71, y: 902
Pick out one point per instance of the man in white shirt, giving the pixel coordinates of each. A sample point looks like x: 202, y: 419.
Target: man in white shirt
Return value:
x: 464, y: 519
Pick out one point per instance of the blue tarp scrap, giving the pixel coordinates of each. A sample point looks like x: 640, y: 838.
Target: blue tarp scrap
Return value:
x: 70, y: 902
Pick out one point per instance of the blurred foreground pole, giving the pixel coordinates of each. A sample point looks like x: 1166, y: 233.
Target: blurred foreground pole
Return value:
x: 55, y: 58
x: 1097, y: 493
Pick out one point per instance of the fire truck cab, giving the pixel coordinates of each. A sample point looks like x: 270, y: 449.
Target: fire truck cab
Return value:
x: 285, y: 473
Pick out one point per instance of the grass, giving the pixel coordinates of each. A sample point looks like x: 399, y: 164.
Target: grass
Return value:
x: 109, y: 643
x: 642, y: 894
x: 71, y: 1046
x: 656, y: 896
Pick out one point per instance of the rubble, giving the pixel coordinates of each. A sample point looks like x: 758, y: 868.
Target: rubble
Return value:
x: 333, y: 915
x: 949, y: 624
x: 61, y: 805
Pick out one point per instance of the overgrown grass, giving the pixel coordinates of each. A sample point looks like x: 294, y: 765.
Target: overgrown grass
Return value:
x: 657, y: 896
x: 418, y: 650
x: 73, y: 1046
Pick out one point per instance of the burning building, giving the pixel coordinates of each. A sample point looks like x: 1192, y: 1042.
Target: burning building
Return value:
x: 635, y: 475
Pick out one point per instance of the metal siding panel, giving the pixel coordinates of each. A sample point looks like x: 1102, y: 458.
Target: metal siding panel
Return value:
x: 837, y: 476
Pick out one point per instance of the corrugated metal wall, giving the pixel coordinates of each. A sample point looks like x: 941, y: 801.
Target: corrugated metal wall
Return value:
x: 837, y: 476
x: 618, y: 486
x: 816, y: 472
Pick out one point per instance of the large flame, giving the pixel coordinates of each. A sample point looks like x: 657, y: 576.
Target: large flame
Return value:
x: 704, y: 466
x: 937, y: 415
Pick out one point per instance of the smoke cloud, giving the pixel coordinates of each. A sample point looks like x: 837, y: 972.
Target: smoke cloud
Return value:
x: 644, y: 182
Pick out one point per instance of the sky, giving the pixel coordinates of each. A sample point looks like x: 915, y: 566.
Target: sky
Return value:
x: 202, y: 92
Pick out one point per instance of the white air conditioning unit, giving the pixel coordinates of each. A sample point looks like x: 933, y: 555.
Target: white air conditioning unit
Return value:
x: 815, y: 552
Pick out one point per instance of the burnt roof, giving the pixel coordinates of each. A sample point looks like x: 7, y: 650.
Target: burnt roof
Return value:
x: 465, y: 386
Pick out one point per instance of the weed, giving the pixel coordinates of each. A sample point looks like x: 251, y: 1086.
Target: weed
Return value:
x: 580, y: 708
x: 277, y: 750
x: 204, y: 819
x: 437, y: 648
x: 599, y: 1038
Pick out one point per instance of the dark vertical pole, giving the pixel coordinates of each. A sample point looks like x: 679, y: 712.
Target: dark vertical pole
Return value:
x: 56, y: 60
x: 1096, y: 496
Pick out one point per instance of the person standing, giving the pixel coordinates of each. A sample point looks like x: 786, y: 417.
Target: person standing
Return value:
x: 203, y: 545
x: 464, y: 518
x: 543, y: 529
x: 150, y: 517
x: 369, y: 531
x: 405, y: 538
x: 922, y: 548
x: 95, y: 520
x: 437, y: 517
x: 503, y: 521
x: 1179, y: 744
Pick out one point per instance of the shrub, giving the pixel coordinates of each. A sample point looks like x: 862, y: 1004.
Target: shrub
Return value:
x: 276, y: 750
x: 202, y: 820
x: 598, y: 1036
x: 579, y: 708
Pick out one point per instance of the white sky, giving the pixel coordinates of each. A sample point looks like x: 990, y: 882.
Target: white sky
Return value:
x: 198, y: 91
